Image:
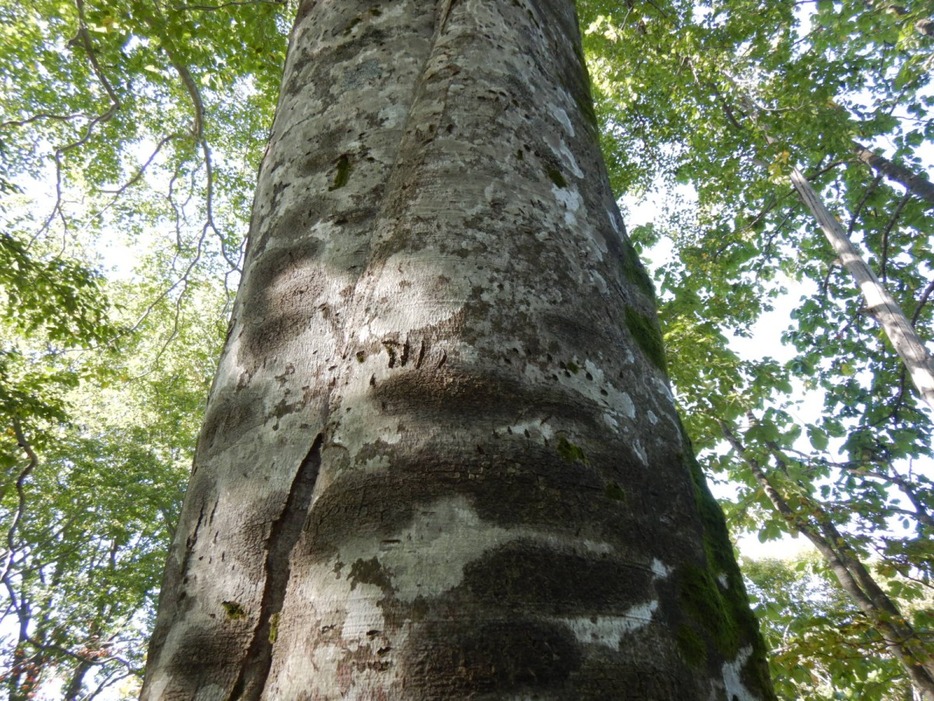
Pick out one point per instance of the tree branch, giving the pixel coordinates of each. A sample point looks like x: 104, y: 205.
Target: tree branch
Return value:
x: 915, y: 183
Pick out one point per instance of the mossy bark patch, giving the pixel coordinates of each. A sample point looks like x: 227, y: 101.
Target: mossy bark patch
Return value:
x: 234, y: 611
x: 569, y: 451
x: 343, y: 172
x: 645, y: 332
x: 703, y: 601
x: 556, y: 177
x: 634, y: 271
x: 614, y: 491
x: 714, y: 597
x: 692, y: 646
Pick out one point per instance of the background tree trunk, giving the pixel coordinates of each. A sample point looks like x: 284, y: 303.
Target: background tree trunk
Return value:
x: 440, y: 457
x: 879, y: 303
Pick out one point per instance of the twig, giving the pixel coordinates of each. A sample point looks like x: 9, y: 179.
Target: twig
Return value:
x: 883, y: 265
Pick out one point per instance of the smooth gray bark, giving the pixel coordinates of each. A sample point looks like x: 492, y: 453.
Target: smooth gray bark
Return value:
x: 440, y: 458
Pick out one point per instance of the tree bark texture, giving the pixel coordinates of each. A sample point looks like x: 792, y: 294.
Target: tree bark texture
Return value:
x: 440, y: 458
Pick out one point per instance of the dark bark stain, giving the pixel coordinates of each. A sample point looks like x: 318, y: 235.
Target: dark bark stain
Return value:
x: 285, y: 286
x: 523, y: 572
x: 283, y: 536
x: 507, y: 654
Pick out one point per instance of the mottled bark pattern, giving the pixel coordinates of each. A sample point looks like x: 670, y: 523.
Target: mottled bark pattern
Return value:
x: 440, y: 459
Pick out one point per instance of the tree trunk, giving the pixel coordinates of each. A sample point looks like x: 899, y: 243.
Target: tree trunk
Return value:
x: 440, y: 458
x: 812, y: 521
x: 879, y: 302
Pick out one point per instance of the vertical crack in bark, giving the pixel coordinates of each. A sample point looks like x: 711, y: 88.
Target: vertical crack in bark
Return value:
x: 283, y: 536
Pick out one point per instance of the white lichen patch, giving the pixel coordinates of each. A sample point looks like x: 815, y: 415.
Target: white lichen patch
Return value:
x: 571, y: 202
x: 392, y: 115
x: 562, y: 118
x: 610, y: 630
x: 537, y: 430
x: 660, y: 569
x: 732, y: 682
x: 431, y: 553
x: 569, y: 159
x: 640, y: 451
x: 560, y: 148
x: 414, y: 290
x: 599, y: 282
x: 363, y: 613
x: 590, y: 381
x: 723, y: 580
x: 427, y: 558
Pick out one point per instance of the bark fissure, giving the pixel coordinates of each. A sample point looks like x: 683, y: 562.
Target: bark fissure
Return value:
x: 397, y: 175
x: 283, y: 536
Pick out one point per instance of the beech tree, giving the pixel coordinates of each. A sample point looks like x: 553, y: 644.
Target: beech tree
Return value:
x: 440, y: 457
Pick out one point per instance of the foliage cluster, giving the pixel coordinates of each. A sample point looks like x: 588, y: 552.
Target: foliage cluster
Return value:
x: 130, y: 134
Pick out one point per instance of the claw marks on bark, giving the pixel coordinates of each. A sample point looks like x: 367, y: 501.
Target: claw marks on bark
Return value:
x: 400, y: 353
x: 283, y: 536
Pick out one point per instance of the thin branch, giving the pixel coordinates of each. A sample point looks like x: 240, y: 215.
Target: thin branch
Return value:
x: 32, y: 461
x: 883, y: 264
x: 915, y: 183
x: 84, y: 39
x: 13, y: 123
x: 236, y: 3
x: 862, y: 203
x: 925, y: 296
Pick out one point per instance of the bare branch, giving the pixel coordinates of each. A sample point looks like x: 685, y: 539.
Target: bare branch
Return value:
x: 189, y: 8
x: 884, y: 256
x: 915, y: 183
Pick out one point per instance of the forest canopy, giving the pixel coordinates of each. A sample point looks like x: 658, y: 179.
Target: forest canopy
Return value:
x: 130, y: 137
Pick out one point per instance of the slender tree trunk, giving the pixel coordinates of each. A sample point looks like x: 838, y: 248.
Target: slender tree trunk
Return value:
x: 814, y: 523
x: 879, y: 302
x: 915, y: 356
x: 440, y: 458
